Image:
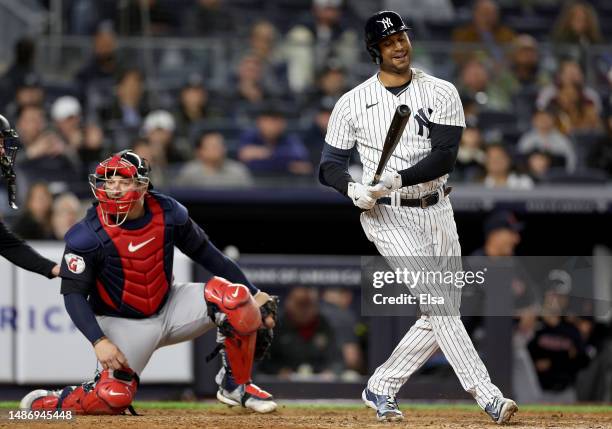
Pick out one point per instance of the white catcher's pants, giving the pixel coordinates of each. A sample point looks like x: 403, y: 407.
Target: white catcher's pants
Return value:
x: 426, y: 239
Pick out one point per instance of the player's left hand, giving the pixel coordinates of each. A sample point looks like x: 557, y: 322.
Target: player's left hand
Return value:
x: 55, y: 271
x: 389, y: 182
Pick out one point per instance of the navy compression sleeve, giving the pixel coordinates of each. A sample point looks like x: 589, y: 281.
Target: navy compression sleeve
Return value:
x: 333, y: 170
x: 440, y: 161
x: 83, y: 316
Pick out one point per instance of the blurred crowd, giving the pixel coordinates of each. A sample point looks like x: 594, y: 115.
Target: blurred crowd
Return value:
x: 535, y: 89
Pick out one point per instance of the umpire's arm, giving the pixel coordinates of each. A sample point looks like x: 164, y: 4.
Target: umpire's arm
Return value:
x: 19, y: 253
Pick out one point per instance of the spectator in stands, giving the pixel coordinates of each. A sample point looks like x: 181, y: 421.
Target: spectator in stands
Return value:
x: 35, y: 222
x: 470, y: 157
x: 31, y: 123
x: 158, y: 166
x: 568, y: 73
x: 499, y: 174
x: 129, y: 107
x: 97, y: 77
x: 576, y: 25
x: 45, y: 152
x: 158, y: 128
x: 314, y: 137
x: 526, y: 78
x: 476, y: 83
x: 304, y: 340
x: 557, y: 349
x: 210, y: 18
x: 485, y: 29
x: 212, y: 168
x: 270, y: 149
x: 250, y: 91
x: 331, y: 85
x: 66, y: 212
x: 502, y: 233
x: 194, y: 107
x: 539, y: 163
x: 311, y: 46
x: 336, y: 307
x: 544, y: 136
x: 66, y: 115
x: 574, y: 112
x: 94, y: 145
x: 24, y: 52
x: 29, y: 92
x: 263, y: 45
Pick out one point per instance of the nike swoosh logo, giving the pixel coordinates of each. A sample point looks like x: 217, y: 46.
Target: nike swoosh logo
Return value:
x: 111, y: 393
x: 132, y: 248
x: 235, y: 294
x: 371, y: 105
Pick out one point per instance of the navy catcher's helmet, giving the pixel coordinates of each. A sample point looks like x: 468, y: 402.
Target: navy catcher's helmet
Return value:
x: 379, y: 26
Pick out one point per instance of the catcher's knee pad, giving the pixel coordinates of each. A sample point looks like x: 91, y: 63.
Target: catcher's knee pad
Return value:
x: 111, y: 393
x: 239, y: 326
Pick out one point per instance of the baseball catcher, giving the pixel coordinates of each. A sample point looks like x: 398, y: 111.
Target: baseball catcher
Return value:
x: 118, y: 289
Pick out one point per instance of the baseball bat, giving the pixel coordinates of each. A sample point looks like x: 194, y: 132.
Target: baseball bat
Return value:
x: 398, y: 124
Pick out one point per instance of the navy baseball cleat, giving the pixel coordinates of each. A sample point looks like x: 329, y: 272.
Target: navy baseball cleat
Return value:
x: 385, y: 406
x: 501, y: 409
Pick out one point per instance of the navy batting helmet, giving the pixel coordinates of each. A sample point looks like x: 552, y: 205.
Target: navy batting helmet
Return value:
x: 379, y: 26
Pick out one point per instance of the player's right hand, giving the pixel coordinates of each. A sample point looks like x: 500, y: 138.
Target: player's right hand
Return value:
x: 109, y: 355
x: 358, y: 193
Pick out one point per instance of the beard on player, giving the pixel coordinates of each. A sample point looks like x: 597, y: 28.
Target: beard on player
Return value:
x: 395, y: 51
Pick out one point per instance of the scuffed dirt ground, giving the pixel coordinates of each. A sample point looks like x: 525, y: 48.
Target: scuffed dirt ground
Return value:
x: 294, y: 418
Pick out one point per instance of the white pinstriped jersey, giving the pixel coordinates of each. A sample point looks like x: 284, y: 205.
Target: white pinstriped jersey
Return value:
x: 362, y: 117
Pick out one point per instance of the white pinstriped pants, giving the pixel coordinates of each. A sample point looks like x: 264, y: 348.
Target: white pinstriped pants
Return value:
x: 426, y: 239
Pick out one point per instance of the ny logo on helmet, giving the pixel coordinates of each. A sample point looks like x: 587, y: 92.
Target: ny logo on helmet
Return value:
x: 386, y: 22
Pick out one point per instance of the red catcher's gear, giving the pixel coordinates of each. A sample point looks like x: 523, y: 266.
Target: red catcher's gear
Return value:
x: 244, y: 318
x: 111, y: 393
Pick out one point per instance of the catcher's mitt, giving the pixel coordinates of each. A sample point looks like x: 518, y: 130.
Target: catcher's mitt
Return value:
x: 266, y: 335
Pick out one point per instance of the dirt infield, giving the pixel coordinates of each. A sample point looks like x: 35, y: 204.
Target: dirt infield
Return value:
x: 313, y: 417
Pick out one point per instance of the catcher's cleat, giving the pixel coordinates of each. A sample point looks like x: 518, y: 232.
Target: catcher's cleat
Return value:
x: 249, y: 396
x: 40, y: 399
x: 385, y: 406
x: 501, y: 409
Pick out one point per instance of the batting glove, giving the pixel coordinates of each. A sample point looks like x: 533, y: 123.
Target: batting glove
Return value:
x: 358, y: 193
x: 389, y: 182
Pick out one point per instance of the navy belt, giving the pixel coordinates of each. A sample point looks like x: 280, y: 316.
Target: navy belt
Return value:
x: 426, y: 201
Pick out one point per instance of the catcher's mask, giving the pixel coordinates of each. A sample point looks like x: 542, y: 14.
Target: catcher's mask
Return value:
x: 9, y: 145
x: 118, y: 183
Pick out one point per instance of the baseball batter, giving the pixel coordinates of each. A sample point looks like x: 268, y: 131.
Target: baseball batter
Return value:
x: 118, y: 290
x: 408, y: 215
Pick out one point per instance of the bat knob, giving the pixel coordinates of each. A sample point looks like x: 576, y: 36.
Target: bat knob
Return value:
x: 403, y: 110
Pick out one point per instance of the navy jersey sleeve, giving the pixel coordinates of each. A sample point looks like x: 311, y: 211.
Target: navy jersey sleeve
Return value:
x: 81, y: 255
x: 82, y: 316
x: 193, y: 241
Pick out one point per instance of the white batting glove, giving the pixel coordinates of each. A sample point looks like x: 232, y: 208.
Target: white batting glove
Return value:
x: 389, y: 182
x: 358, y: 193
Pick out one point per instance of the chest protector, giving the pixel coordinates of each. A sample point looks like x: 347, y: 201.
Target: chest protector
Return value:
x: 137, y: 272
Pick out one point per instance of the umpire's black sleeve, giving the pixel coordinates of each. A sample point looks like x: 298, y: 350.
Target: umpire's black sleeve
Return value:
x: 333, y: 170
x: 440, y: 161
x: 19, y: 253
